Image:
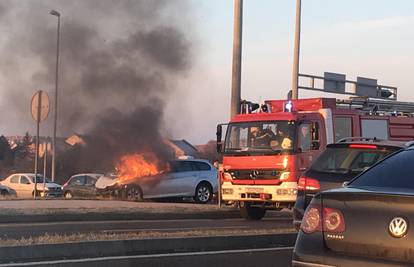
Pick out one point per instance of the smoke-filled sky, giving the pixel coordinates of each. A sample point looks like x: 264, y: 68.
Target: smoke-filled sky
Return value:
x: 117, y: 59
x: 371, y: 38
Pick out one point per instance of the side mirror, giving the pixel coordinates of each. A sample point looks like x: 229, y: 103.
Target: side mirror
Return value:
x: 345, y: 184
x: 219, y: 133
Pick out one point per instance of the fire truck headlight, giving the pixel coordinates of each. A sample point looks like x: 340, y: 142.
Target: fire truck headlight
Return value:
x: 227, y: 176
x: 227, y: 191
x: 284, y: 176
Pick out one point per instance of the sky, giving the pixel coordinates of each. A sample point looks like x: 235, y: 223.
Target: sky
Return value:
x: 369, y: 38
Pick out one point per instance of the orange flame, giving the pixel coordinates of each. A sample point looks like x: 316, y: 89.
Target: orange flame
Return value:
x: 136, y: 166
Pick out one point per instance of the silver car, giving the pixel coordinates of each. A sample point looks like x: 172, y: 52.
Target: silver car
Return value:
x: 187, y: 178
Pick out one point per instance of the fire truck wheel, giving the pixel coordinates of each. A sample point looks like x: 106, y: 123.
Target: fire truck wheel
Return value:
x: 132, y: 193
x: 203, y: 193
x: 251, y: 213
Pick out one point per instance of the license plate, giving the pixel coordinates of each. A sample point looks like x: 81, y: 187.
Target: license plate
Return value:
x: 254, y: 190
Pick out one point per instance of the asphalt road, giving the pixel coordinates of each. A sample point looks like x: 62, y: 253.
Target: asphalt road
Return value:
x: 261, y: 257
x: 198, y: 254
x: 19, y: 230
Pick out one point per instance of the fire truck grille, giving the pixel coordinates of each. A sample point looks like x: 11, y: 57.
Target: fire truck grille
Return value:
x: 255, y: 174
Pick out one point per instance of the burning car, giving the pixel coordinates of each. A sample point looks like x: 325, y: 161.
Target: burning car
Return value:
x: 137, y: 180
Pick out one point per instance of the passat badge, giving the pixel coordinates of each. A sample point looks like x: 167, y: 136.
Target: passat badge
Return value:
x: 398, y: 227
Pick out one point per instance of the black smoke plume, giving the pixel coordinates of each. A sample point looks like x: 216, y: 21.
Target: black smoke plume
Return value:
x: 119, y: 63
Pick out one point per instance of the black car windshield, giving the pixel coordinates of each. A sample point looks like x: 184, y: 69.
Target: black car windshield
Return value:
x: 262, y: 137
x: 394, y: 172
x: 348, y: 160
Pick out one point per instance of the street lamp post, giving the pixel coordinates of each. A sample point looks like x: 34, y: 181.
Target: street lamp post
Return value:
x: 296, y: 52
x: 237, y: 58
x: 57, y: 14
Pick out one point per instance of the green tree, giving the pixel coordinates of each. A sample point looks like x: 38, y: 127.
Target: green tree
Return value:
x: 6, y: 153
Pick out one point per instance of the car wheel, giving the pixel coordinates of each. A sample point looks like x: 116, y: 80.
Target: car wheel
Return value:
x: 251, y: 213
x: 133, y: 193
x: 204, y: 193
x: 68, y: 195
x: 3, y: 194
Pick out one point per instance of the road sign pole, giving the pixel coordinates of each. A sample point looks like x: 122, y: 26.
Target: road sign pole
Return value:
x: 39, y: 108
x: 44, y: 168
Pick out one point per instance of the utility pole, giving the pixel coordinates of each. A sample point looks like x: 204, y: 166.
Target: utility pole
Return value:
x: 296, y: 52
x: 56, y: 14
x: 237, y: 58
x: 38, y: 119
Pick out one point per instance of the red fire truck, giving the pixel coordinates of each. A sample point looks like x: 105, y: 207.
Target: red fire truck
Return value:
x: 265, y: 152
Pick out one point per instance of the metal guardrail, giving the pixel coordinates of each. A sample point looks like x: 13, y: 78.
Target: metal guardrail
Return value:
x: 353, y: 87
x: 377, y: 105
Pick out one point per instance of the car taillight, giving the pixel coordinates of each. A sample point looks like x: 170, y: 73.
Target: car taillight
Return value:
x: 306, y: 183
x: 311, y: 221
x: 317, y: 219
x: 333, y: 221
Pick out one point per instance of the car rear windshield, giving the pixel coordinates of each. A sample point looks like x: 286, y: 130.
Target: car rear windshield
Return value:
x: 394, y: 172
x: 348, y: 159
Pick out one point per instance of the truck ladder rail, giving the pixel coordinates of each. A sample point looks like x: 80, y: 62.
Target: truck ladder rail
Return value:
x: 377, y: 106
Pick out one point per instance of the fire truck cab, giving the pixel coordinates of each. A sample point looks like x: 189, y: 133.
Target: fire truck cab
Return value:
x: 265, y: 153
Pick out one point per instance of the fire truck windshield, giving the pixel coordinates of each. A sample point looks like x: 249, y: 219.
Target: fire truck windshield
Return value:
x: 262, y: 137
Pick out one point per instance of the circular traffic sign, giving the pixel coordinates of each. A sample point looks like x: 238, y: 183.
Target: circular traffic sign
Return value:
x: 40, y: 106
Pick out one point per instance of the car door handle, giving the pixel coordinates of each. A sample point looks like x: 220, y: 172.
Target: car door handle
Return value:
x: 302, y: 169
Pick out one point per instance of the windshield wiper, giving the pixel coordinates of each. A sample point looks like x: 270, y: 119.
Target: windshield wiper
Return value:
x: 248, y: 150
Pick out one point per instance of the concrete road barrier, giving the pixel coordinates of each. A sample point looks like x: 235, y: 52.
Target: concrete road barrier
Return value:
x: 23, y: 211
x: 140, y: 247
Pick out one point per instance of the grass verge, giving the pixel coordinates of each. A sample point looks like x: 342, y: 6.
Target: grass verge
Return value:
x: 85, y: 237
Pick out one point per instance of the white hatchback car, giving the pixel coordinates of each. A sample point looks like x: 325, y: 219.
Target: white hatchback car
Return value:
x: 23, y: 185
